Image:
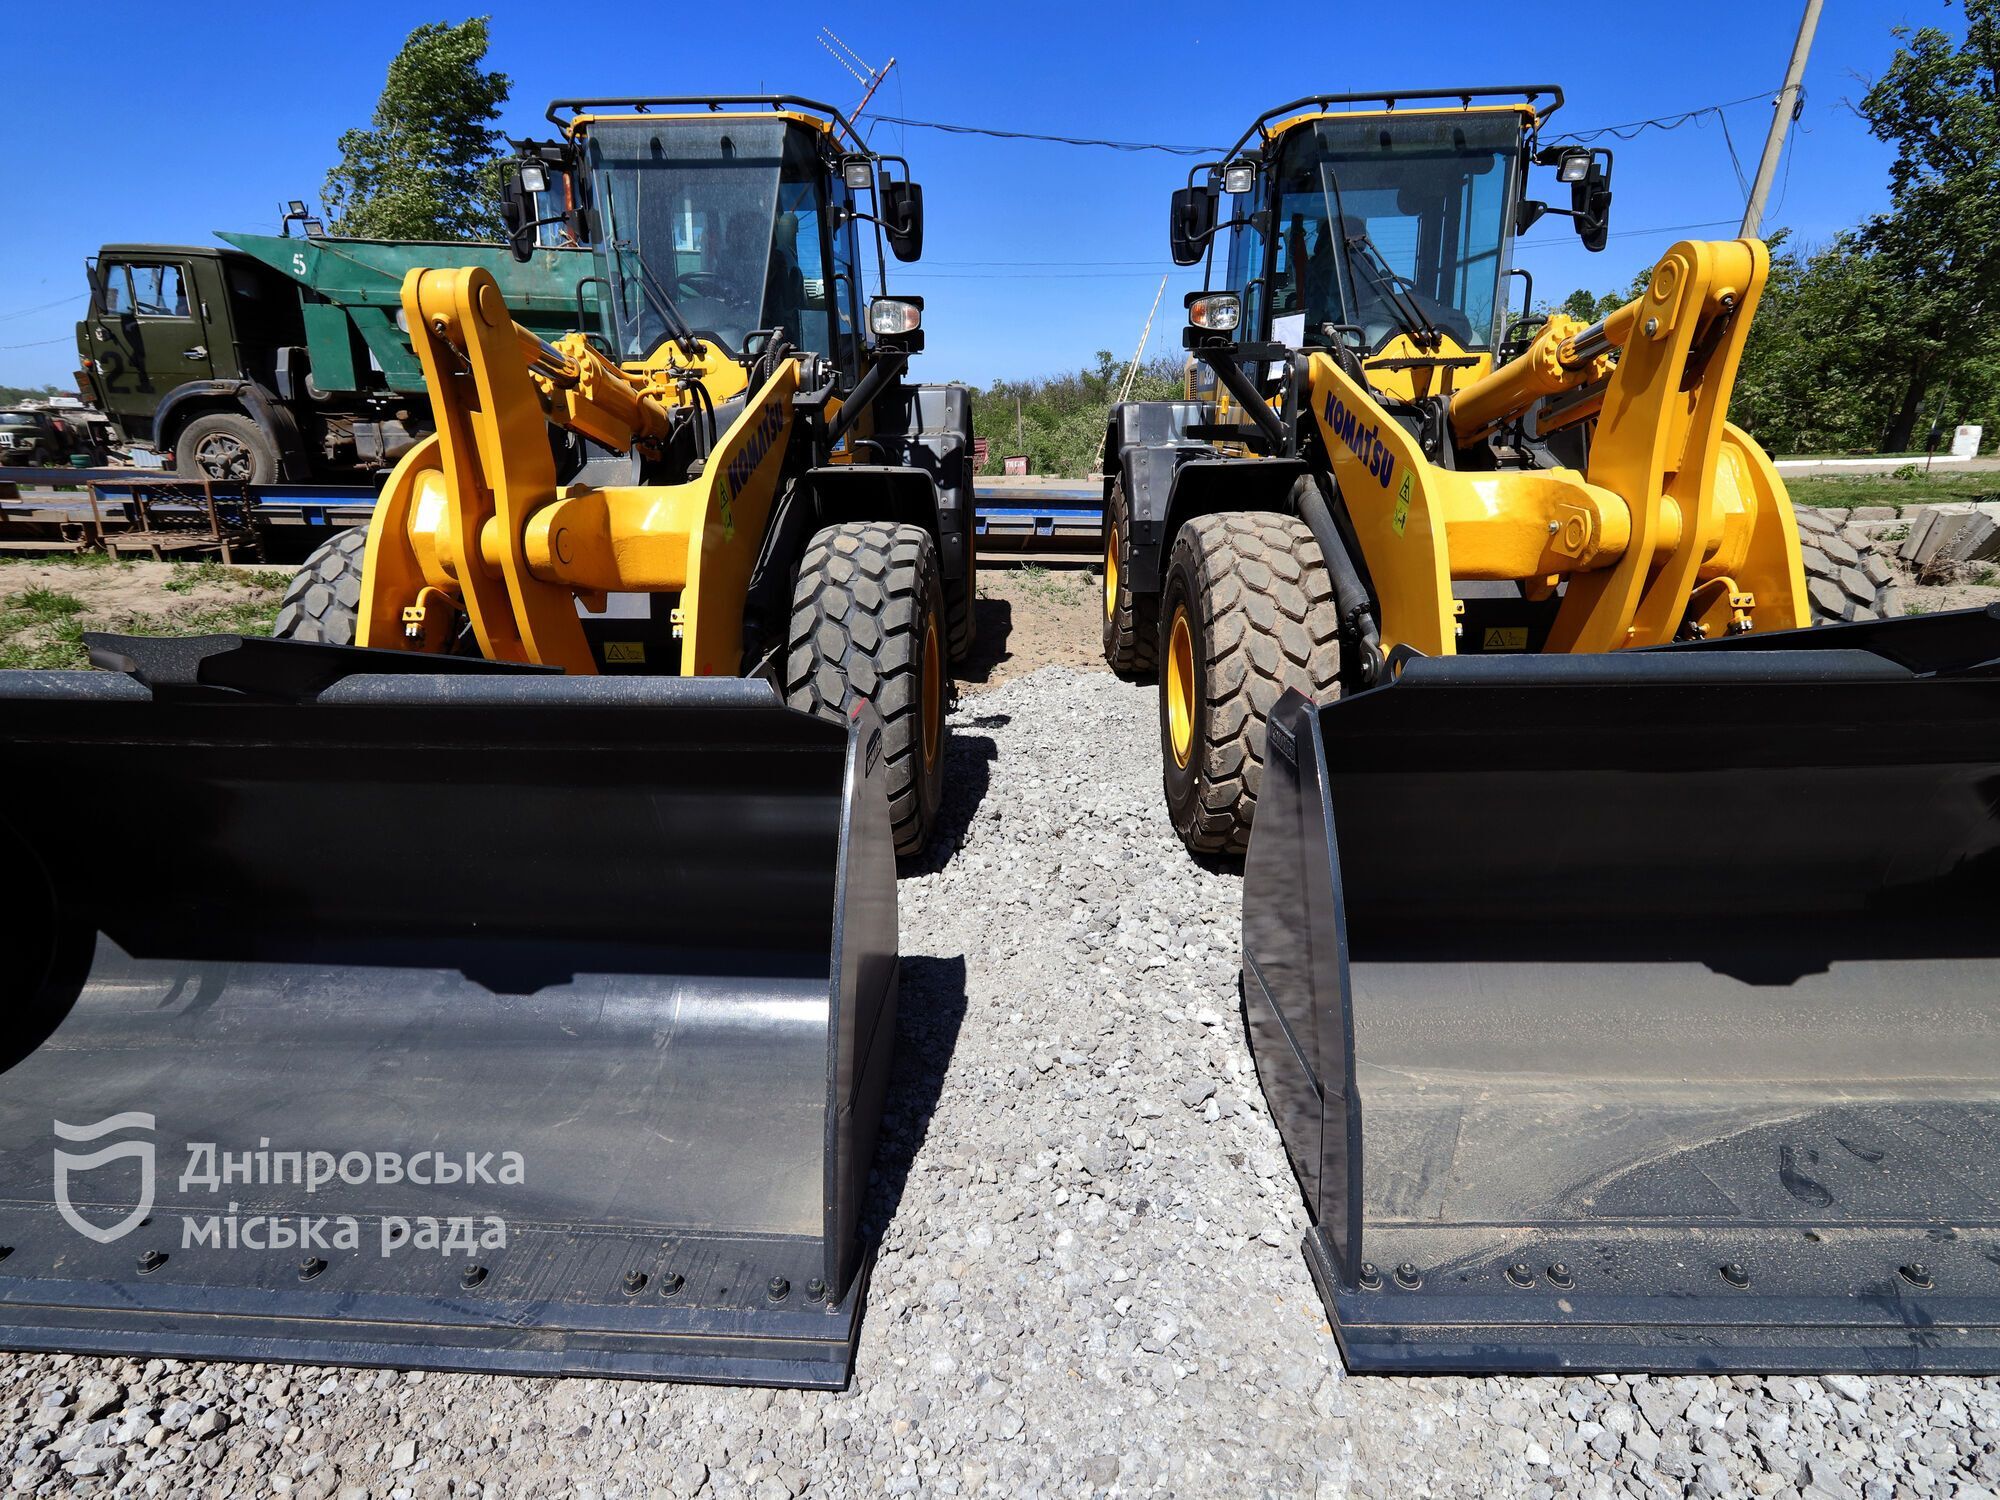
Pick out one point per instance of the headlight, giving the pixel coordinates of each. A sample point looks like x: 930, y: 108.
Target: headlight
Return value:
x: 1218, y: 312
x: 1239, y: 176
x: 890, y: 316
x: 1574, y: 166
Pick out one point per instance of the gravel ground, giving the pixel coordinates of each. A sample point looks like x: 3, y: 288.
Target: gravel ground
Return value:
x: 1089, y: 1279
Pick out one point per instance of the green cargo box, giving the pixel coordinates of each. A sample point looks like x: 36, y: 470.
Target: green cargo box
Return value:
x: 362, y: 284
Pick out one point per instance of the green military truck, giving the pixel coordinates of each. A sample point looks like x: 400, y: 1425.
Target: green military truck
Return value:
x: 280, y: 358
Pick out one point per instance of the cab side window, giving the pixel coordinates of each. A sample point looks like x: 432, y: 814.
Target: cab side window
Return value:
x: 151, y: 291
x: 117, y: 289
x: 1246, y: 264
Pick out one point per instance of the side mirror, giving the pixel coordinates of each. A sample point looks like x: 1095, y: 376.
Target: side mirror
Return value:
x: 903, y: 217
x: 1591, y: 198
x: 1191, y: 223
x: 517, y: 208
x: 1588, y: 174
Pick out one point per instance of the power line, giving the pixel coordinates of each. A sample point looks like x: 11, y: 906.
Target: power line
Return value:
x: 22, y: 312
x: 38, y: 344
x: 1631, y: 129
x: 1625, y: 234
x: 1060, y: 140
x: 1624, y: 131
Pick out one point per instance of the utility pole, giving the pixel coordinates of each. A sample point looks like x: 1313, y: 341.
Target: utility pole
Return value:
x: 1782, y: 110
x: 1132, y: 370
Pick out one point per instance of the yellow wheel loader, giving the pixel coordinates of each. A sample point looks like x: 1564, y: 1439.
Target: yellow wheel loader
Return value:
x: 1620, y: 954
x: 499, y: 970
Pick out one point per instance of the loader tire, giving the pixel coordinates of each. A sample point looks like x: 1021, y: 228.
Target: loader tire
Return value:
x: 1131, y: 620
x: 323, y: 601
x: 1247, y: 611
x: 1835, y: 584
x: 868, y: 623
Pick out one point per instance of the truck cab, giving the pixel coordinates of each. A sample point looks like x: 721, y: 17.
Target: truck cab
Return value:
x: 180, y: 348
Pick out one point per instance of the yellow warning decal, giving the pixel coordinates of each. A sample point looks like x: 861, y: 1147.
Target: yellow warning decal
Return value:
x: 625, y: 653
x: 1402, y: 516
x: 1505, y: 638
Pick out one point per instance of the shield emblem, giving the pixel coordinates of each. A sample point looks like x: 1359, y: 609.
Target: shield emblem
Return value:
x: 67, y: 1162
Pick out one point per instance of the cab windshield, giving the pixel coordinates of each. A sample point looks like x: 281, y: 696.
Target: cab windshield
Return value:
x: 16, y: 419
x: 1385, y: 224
x: 713, y: 218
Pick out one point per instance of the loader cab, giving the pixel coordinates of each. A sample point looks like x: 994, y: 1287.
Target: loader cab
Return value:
x: 740, y: 223
x: 1373, y: 227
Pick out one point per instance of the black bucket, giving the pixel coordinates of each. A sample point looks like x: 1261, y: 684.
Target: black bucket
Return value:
x: 584, y: 987
x: 1642, y: 1011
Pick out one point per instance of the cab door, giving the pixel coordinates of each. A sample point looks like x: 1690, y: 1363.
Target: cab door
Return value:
x: 147, y: 334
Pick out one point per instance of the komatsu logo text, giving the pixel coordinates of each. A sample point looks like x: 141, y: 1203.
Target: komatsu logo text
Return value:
x: 770, y: 422
x: 1364, y: 441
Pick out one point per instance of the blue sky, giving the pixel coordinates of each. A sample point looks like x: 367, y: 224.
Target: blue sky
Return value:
x: 1036, y: 254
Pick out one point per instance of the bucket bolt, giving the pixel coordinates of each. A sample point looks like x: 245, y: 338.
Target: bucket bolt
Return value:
x: 1370, y: 1277
x: 310, y: 1267
x: 1559, y: 1275
x: 671, y: 1282
x: 1407, y: 1275
x: 816, y: 1290
x: 779, y: 1289
x: 634, y: 1283
x: 152, y: 1260
x: 1734, y: 1274
x: 1916, y: 1273
x: 1521, y: 1273
x: 472, y: 1277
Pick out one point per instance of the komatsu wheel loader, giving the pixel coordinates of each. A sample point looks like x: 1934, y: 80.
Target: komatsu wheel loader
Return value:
x: 499, y: 970
x: 1621, y: 961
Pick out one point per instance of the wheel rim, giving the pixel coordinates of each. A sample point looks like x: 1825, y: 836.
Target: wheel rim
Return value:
x: 1180, y: 688
x: 1111, y: 576
x: 221, y: 456
x: 933, y: 695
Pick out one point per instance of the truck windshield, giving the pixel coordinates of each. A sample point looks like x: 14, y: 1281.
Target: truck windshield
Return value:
x: 1384, y: 222
x: 16, y: 419
x: 688, y: 212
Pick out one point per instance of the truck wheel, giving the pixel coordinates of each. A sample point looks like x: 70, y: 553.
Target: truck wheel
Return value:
x: 868, y: 623
x: 323, y: 601
x: 1131, y: 621
x: 226, y: 445
x: 1248, y: 611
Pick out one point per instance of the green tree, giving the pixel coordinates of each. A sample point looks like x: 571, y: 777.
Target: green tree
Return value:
x: 1062, y: 418
x: 428, y: 167
x: 1937, y: 250
x: 1822, y: 348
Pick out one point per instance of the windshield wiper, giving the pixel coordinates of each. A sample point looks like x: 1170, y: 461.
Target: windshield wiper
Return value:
x: 1408, y: 311
x: 1409, y: 317
x: 678, y: 328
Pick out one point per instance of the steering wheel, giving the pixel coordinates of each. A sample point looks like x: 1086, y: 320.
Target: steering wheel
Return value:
x: 701, y: 283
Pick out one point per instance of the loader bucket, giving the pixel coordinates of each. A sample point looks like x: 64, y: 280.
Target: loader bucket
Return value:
x: 489, y: 1020
x: 1641, y: 1012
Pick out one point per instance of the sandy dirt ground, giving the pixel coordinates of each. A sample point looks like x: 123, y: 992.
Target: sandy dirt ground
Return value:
x: 46, y: 606
x: 1031, y: 616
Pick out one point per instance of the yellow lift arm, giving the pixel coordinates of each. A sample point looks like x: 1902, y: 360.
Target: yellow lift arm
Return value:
x: 472, y: 524
x: 1679, y: 515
